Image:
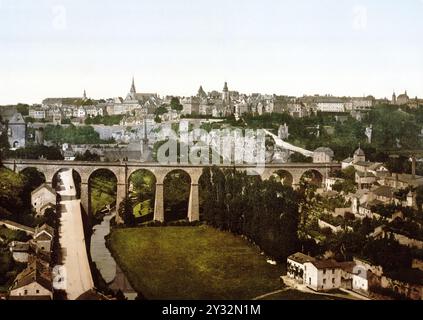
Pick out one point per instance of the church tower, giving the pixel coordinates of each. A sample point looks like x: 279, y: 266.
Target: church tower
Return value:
x: 394, y: 98
x: 84, y: 97
x: 225, y: 94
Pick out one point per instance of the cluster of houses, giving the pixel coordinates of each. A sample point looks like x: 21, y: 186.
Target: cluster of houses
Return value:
x: 377, y: 186
x: 359, y: 276
x: 36, y: 280
x: 381, y: 196
x: 380, y: 189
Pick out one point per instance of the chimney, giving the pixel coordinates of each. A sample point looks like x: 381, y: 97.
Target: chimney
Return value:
x: 413, y: 167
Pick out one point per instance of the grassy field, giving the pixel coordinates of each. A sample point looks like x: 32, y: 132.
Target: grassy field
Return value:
x: 103, y: 193
x: 142, y: 209
x: 192, y: 263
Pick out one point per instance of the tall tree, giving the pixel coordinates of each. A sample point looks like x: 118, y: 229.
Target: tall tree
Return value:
x: 126, y: 212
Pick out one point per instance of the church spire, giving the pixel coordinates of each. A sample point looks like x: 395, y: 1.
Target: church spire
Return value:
x: 133, y: 90
x: 225, y: 87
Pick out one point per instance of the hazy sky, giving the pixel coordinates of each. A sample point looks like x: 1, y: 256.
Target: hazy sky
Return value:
x: 54, y: 48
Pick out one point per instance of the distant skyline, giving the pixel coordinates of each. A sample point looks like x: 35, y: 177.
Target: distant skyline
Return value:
x: 51, y: 48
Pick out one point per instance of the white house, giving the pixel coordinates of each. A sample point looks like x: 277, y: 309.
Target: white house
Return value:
x: 360, y: 280
x: 81, y: 113
x: 42, y: 198
x: 337, y: 107
x: 37, y: 113
x: 295, y: 266
x: 323, y: 275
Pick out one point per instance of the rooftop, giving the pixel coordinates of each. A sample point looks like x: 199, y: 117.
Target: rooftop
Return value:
x: 301, y: 258
x: 44, y: 186
x: 384, y: 191
x: 359, y: 152
x: 36, y: 271
x: 326, y: 264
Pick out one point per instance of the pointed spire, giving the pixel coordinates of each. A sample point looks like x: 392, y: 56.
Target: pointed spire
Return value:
x: 85, y: 95
x: 225, y: 88
x: 201, y: 93
x: 133, y: 90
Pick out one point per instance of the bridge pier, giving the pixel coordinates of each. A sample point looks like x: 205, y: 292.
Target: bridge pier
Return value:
x: 194, y: 203
x: 85, y: 197
x: 159, y: 203
x: 120, y: 196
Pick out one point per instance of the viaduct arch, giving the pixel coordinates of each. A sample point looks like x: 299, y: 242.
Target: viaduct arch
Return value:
x: 123, y: 170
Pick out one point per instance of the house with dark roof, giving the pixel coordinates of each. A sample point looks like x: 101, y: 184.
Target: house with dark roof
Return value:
x: 403, y: 181
x: 20, y: 251
x: 33, y: 283
x: 43, y: 238
x: 16, y: 226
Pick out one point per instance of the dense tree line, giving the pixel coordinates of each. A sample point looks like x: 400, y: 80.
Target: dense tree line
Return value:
x: 15, y: 197
x: 87, y: 156
x: 264, y: 211
x: 72, y: 135
x: 35, y: 152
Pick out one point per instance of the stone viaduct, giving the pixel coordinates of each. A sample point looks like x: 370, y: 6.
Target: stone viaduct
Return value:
x: 124, y: 170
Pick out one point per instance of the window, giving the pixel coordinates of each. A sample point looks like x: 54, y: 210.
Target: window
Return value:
x: 324, y: 281
x: 37, y: 291
x: 333, y: 271
x: 25, y: 292
x: 333, y: 280
x: 324, y: 271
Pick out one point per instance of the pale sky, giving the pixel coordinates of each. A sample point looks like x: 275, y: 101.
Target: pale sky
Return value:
x: 51, y: 48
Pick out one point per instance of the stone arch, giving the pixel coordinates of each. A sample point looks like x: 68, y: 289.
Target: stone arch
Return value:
x: 284, y: 176
x: 177, y: 194
x: 143, y: 199
x: 105, y: 191
x: 22, y: 171
x: 313, y: 177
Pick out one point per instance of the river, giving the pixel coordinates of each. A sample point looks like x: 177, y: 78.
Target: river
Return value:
x: 105, y: 262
